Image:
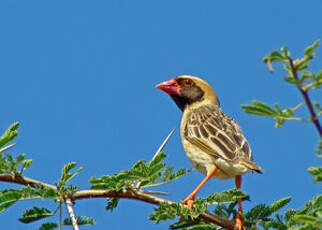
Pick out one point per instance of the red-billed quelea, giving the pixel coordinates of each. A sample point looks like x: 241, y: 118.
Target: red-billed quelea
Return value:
x: 213, y: 142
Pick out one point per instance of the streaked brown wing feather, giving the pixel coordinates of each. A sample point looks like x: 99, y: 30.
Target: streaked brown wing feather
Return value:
x: 216, y: 134
x: 203, y: 146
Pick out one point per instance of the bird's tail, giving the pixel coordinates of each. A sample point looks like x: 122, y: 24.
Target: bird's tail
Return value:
x: 251, y: 166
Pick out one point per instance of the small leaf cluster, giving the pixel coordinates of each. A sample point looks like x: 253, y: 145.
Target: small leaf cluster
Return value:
x: 8, y: 164
x: 81, y: 220
x: 66, y: 176
x: 9, y: 135
x: 10, y: 196
x: 280, y: 115
x: 141, y: 175
x: 316, y: 172
x: 307, y: 218
x: 36, y: 213
x: 14, y: 166
x: 167, y: 211
x: 298, y: 75
x: 193, y: 224
x: 260, y: 214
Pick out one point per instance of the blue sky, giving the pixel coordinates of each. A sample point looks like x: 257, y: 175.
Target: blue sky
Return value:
x: 79, y: 76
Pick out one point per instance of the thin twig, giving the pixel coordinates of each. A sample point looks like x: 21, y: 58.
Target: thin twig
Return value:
x: 7, y: 147
x: 69, y: 205
x: 307, y: 99
x: 297, y: 106
x: 156, y: 193
x: 138, y: 186
x: 22, y: 169
x: 291, y: 118
x: 60, y: 216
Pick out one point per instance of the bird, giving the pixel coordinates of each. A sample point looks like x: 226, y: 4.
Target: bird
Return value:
x: 213, y: 142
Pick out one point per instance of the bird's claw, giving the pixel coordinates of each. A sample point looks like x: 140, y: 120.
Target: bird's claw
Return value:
x: 188, y: 201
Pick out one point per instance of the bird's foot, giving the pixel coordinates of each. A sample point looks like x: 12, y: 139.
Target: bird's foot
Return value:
x: 239, y: 222
x: 189, y: 201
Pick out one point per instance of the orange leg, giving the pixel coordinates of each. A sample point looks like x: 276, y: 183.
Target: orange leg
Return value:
x: 189, y: 200
x: 239, y: 219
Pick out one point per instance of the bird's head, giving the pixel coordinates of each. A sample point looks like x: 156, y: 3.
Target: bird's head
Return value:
x: 189, y: 91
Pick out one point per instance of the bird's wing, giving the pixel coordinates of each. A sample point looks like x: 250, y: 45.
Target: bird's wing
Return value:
x: 215, y: 133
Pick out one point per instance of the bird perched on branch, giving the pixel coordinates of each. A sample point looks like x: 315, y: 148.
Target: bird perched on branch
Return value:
x: 213, y: 142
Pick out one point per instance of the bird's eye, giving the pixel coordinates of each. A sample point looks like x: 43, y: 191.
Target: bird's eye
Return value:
x: 187, y: 83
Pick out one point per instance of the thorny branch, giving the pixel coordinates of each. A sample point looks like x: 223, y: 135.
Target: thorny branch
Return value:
x: 124, y: 193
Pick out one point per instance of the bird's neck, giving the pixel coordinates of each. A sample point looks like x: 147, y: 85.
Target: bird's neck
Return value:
x: 198, y: 104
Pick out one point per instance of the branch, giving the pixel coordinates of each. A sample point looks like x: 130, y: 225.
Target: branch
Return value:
x: 71, y: 213
x: 25, y: 181
x: 307, y: 99
x: 142, y: 196
x: 124, y: 193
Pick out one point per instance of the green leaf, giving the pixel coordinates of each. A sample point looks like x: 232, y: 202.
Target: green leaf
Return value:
x: 35, y: 214
x: 229, y: 196
x: 292, y: 80
x: 12, y: 166
x: 316, y: 172
x: 310, y: 50
x: 317, y: 80
x: 116, y: 182
x: 274, y: 224
x: 306, y: 75
x: 319, y: 149
x: 305, y: 218
x: 156, y: 160
x: 81, y: 220
x: 221, y: 210
x: 153, y: 173
x: 258, y: 212
x: 48, y: 226
x: 189, y: 224
x: 258, y: 108
x: 8, y: 198
x: 277, y: 205
x: 66, y: 175
x: 301, y: 64
x: 112, y: 203
x: 184, y: 223
x: 9, y: 134
x: 313, y: 209
x: 169, y: 211
x: 164, y: 212
x: 261, y: 212
x: 6, y: 205
x: 275, y: 56
x: 285, y: 52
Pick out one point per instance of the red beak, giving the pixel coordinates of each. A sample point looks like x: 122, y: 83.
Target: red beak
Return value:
x: 170, y: 87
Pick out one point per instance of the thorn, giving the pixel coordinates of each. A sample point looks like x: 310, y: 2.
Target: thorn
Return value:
x: 164, y: 143
x: 159, y: 150
x: 7, y: 147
